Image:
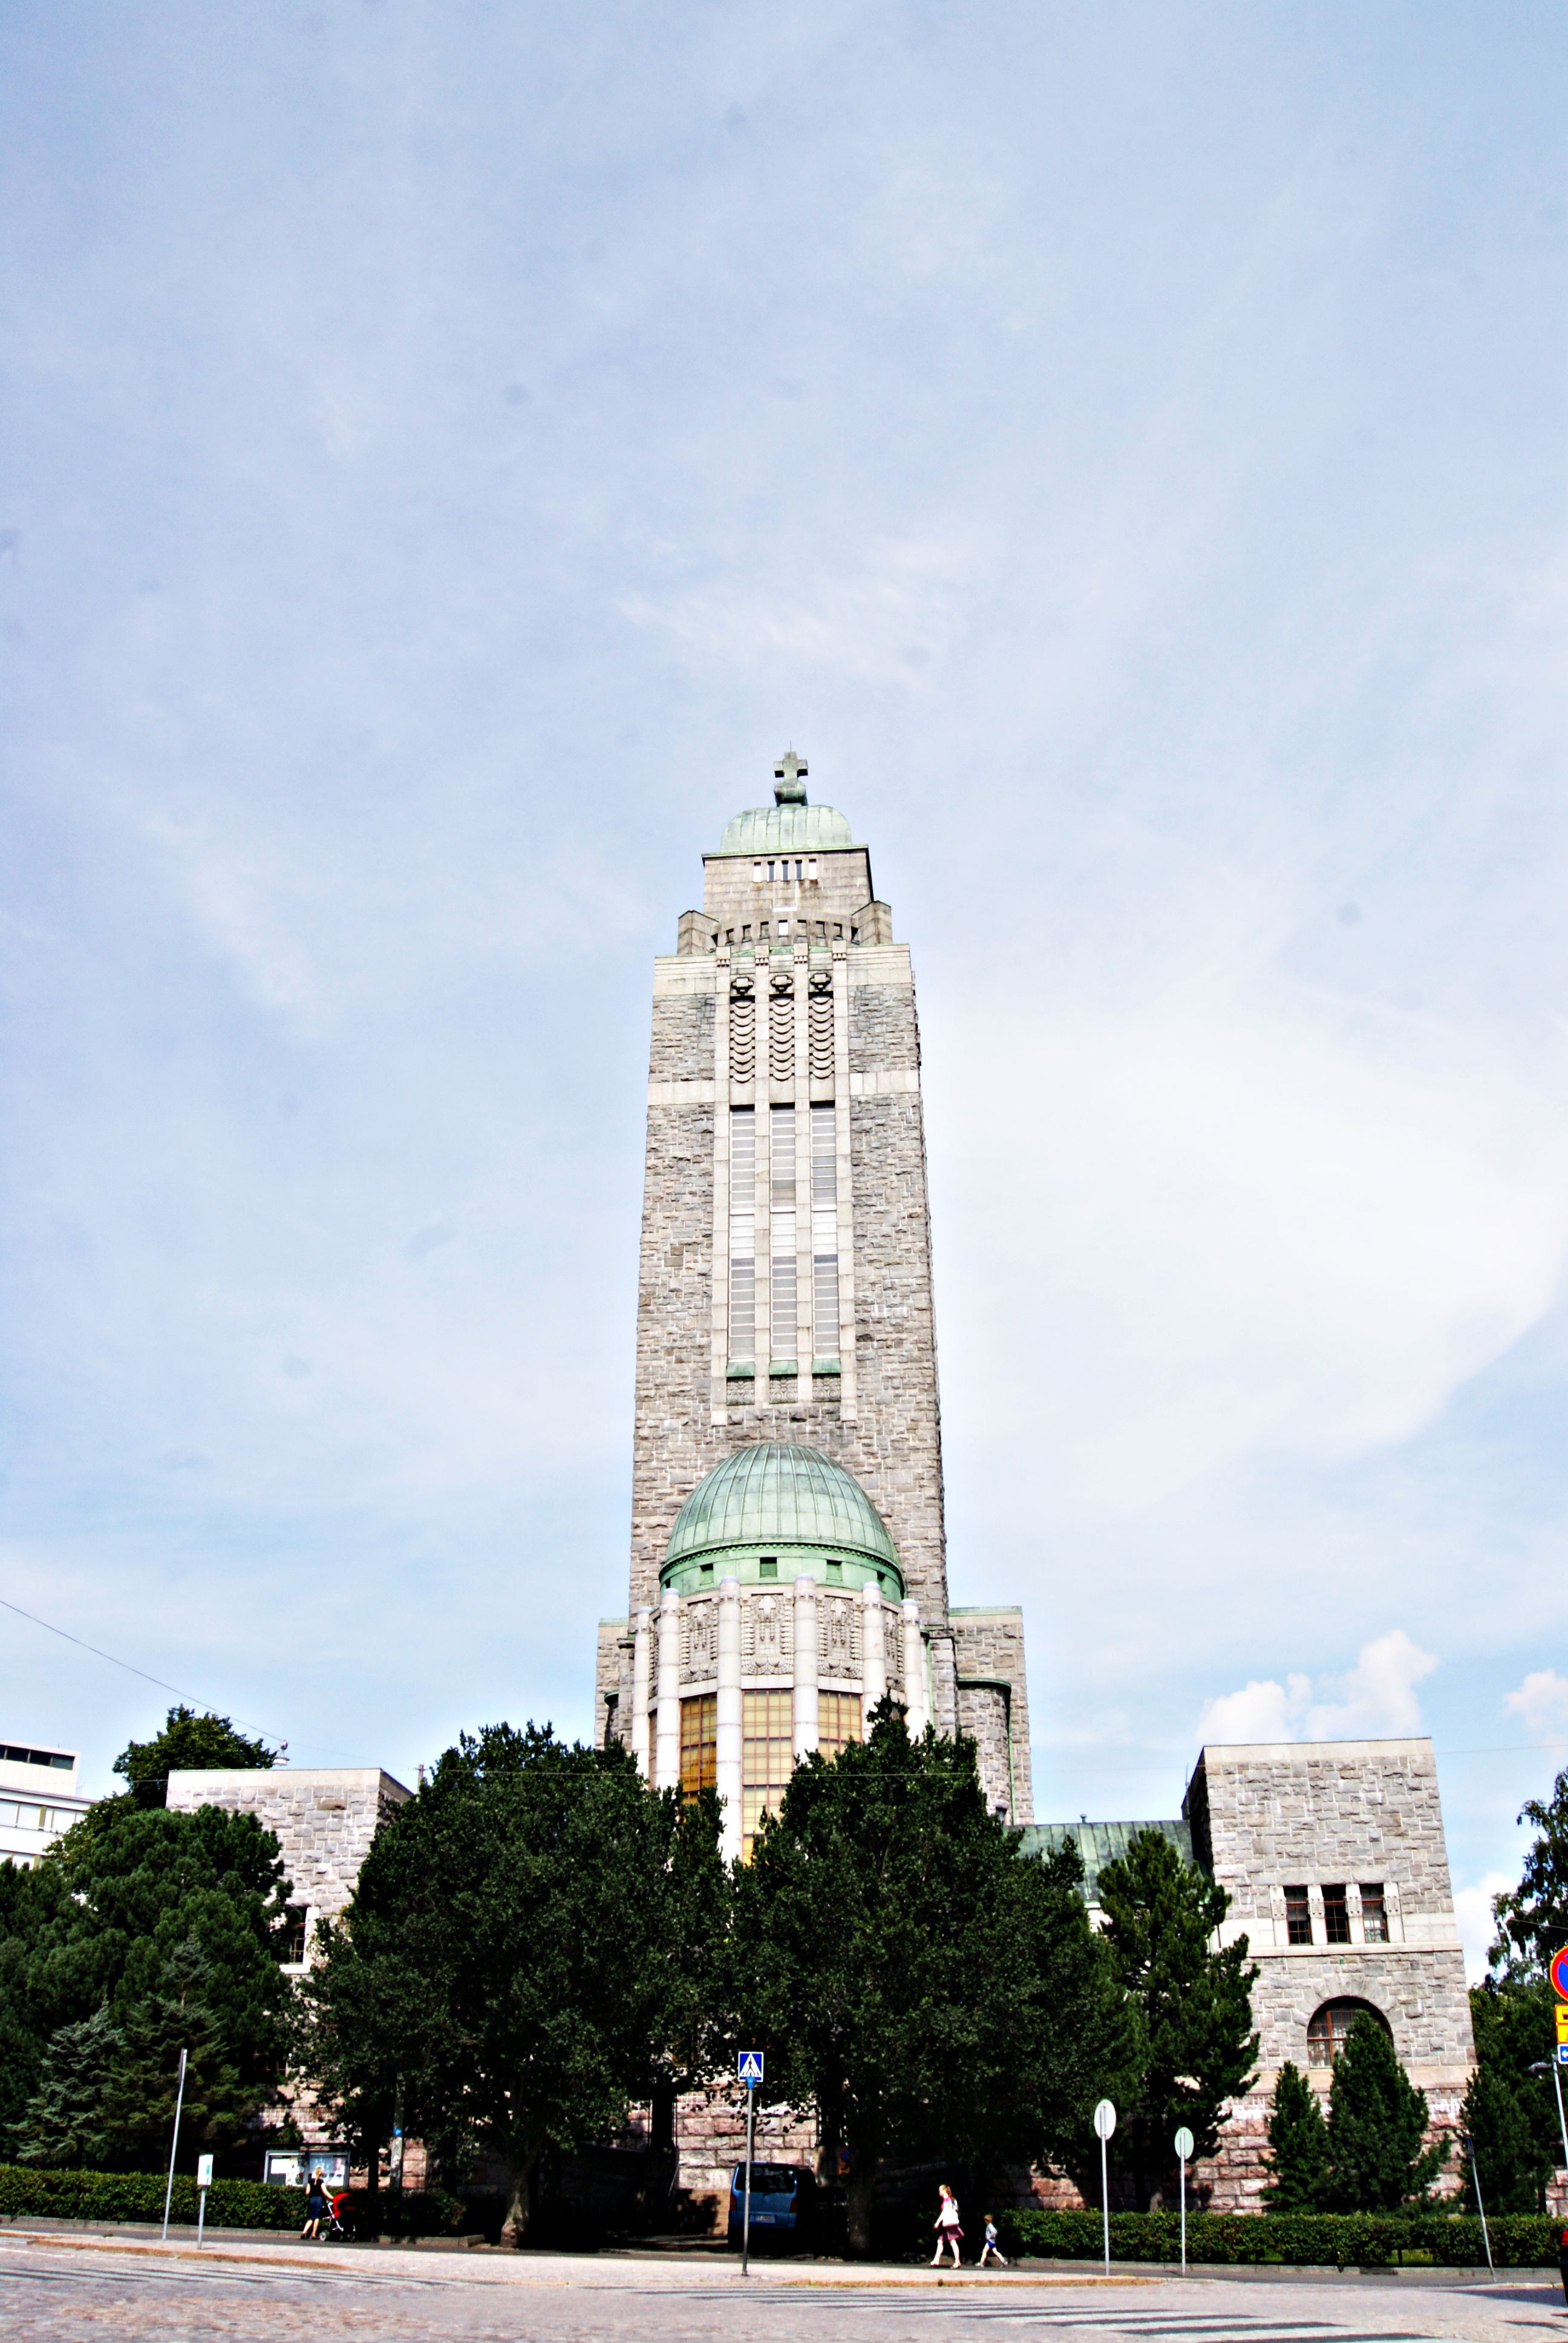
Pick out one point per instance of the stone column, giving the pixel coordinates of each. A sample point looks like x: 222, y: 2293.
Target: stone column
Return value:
x: 873, y: 1652
x: 917, y: 1691
x: 729, y: 1756
x: 806, y: 1666
x: 666, y: 1745
x: 641, y: 1688
x: 944, y: 1682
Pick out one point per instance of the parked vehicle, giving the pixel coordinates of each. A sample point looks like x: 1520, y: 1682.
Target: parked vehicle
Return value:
x: 783, y: 2205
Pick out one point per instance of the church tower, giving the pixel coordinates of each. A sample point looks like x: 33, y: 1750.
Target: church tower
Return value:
x: 787, y: 1558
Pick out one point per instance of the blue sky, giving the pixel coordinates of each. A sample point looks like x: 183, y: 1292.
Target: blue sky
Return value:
x: 452, y: 450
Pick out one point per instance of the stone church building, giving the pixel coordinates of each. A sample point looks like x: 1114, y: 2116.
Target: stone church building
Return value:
x: 788, y: 1556
x: 789, y: 1566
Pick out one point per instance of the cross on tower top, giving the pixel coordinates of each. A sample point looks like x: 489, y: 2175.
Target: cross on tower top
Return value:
x: 789, y: 780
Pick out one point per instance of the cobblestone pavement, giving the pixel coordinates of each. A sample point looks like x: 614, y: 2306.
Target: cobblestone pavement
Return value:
x: 83, y: 2292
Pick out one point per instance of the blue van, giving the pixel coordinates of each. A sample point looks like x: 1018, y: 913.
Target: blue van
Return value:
x: 783, y: 2204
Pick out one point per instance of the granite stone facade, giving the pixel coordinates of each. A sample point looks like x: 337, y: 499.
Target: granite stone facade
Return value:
x: 788, y: 990
x: 324, y: 1821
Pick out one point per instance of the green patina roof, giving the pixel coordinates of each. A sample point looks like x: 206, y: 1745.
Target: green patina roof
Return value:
x: 771, y: 1492
x: 795, y: 828
x: 1100, y: 1844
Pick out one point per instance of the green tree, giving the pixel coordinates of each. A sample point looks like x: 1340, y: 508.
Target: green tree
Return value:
x: 1533, y: 1919
x: 1504, y: 2152
x: 200, y: 1742
x: 1298, y: 2153
x: 934, y: 1995
x: 1193, y: 1997
x: 64, y: 2125
x: 144, y: 2080
x: 1377, y: 2122
x: 95, y: 1925
x: 1511, y: 2018
x: 526, y: 1952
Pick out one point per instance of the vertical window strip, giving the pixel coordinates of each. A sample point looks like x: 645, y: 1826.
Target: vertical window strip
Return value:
x: 767, y: 1758
x: 837, y: 1720
x: 698, y: 1745
x: 742, y: 1235
x: 825, y: 1231
x: 781, y: 1223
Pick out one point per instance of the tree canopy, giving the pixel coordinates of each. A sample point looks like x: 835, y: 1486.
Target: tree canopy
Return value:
x: 1297, y: 2157
x: 199, y: 1742
x: 1192, y: 1996
x: 135, y: 1911
x: 1377, y: 2122
x: 528, y: 1948
x: 1533, y: 1919
x: 931, y: 1993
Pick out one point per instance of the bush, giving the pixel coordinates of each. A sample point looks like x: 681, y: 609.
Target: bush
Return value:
x: 1324, y: 2240
x: 139, y: 2196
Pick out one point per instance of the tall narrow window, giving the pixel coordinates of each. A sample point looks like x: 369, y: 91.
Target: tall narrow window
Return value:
x: 825, y: 1231
x: 742, y: 1235
x: 699, y: 1744
x: 767, y: 1758
x: 837, y: 1720
x: 1297, y: 1916
x: 781, y: 1222
x: 1336, y: 1915
x: 1375, y: 1912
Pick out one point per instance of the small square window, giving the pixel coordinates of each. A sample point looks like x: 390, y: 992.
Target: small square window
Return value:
x: 705, y: 1570
x: 1336, y: 1915
x: 1375, y: 1912
x: 835, y: 1574
x: 768, y: 1566
x: 1297, y: 1916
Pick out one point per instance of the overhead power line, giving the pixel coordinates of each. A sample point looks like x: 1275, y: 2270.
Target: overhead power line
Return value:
x: 115, y: 1663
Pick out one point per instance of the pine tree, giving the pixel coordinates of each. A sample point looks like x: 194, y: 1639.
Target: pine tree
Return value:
x: 63, y: 2128
x: 1298, y: 2159
x: 1193, y: 1997
x: 144, y: 2083
x: 1511, y: 2179
x: 1377, y: 2121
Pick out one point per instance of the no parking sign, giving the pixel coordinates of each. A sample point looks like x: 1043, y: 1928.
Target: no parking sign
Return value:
x: 1559, y: 1971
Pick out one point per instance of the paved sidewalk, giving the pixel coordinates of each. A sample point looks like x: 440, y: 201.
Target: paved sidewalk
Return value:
x: 55, y: 2291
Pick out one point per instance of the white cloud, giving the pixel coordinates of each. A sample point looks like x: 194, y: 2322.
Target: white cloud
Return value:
x: 1541, y: 1704
x: 1377, y: 1700
x: 1472, y: 1910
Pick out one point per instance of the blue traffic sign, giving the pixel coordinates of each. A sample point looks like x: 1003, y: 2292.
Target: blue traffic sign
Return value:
x: 1562, y: 2053
x: 1558, y: 1967
x: 749, y: 2066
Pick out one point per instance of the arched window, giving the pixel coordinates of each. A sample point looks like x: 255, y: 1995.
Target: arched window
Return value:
x: 1329, y: 2029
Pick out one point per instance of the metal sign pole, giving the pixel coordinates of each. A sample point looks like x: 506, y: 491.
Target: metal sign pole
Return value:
x: 1475, y: 2183
x: 1183, y: 2144
x: 1561, y: 2119
x: 174, y: 2145
x: 746, y: 2212
x: 204, y: 2182
x: 1105, y: 2124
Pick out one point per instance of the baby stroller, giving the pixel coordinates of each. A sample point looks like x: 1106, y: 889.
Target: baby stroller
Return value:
x: 339, y: 2222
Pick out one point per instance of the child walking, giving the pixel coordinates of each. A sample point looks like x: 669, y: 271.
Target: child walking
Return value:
x: 990, y: 2251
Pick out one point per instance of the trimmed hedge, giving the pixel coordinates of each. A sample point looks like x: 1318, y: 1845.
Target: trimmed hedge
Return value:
x: 231, y: 2204
x: 139, y: 2196
x: 1321, y: 2240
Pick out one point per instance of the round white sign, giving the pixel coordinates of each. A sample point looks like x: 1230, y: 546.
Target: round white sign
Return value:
x: 1105, y: 2120
x: 1183, y: 2142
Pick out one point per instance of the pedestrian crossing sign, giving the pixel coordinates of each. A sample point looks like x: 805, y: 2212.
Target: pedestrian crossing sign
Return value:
x: 750, y: 2066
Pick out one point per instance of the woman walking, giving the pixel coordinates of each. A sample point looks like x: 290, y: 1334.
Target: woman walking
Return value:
x: 946, y: 2225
